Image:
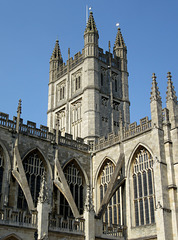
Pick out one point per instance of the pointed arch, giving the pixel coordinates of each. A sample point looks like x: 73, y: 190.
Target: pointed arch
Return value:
x: 141, y: 185
x: 136, y: 148
x: 5, y: 169
x: 112, y: 213
x: 11, y: 236
x: 46, y: 162
x: 80, y: 166
x: 77, y: 180
x: 34, y: 165
x: 100, y: 167
x: 6, y: 156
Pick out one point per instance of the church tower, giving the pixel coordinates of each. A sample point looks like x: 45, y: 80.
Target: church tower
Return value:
x: 89, y: 93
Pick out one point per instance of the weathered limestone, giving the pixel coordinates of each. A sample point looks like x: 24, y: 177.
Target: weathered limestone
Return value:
x: 121, y: 185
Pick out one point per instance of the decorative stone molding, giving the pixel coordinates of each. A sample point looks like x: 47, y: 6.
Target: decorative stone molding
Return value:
x: 89, y: 201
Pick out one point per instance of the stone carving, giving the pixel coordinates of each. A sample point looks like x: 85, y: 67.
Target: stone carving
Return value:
x: 44, y: 193
x: 89, y: 201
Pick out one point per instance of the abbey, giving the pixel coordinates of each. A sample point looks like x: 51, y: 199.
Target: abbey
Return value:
x: 91, y: 174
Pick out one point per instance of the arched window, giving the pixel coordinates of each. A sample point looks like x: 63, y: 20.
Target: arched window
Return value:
x: 113, y: 213
x: 143, y: 185
x: 1, y: 170
x: 75, y: 181
x: 34, y: 169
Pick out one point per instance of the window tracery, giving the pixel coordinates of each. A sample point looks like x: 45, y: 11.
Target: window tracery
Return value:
x: 76, y: 81
x: 75, y: 181
x: 76, y: 118
x: 113, y: 213
x: 61, y: 89
x: 34, y: 170
x: 143, y: 185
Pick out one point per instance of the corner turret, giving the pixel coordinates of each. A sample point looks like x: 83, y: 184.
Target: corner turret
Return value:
x: 120, y: 53
x: 55, y: 60
x: 91, y: 37
x: 120, y: 50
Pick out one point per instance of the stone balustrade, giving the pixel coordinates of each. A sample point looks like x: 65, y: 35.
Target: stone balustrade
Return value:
x: 18, y: 218
x: 113, y: 230
x: 59, y: 224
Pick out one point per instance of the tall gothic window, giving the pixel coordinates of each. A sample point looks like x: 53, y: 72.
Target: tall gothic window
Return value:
x: 34, y: 169
x: 75, y: 181
x: 143, y: 185
x: 113, y: 213
x: 1, y: 169
x: 76, y: 119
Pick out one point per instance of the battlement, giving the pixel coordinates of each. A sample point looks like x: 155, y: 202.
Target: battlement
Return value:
x: 79, y: 57
x: 104, y: 57
x: 71, y: 63
x: 126, y: 133
x: 30, y: 129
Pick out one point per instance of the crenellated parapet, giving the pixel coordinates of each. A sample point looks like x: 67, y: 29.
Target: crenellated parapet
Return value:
x: 104, y: 57
x: 127, y: 132
x: 30, y: 129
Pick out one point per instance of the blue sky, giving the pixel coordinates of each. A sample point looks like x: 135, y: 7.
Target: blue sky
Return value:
x: 28, y: 31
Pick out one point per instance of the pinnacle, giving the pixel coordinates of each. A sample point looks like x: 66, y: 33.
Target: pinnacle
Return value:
x: 91, y: 26
x: 119, y: 39
x: 19, y: 106
x: 171, y: 93
x: 57, y: 52
x: 155, y: 94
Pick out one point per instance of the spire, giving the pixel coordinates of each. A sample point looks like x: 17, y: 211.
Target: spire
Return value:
x: 155, y: 94
x: 119, y: 40
x: 91, y: 26
x: 57, y: 52
x: 171, y: 93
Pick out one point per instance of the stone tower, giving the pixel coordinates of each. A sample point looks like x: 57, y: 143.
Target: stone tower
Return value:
x: 90, y: 91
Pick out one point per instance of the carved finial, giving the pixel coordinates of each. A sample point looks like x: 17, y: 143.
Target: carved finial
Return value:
x: 171, y: 93
x: 155, y: 94
x: 43, y: 194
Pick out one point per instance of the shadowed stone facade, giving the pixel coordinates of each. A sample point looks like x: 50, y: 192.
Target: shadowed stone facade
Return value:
x: 91, y: 174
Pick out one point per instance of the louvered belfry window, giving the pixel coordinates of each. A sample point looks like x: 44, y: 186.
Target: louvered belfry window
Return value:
x: 143, y: 185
